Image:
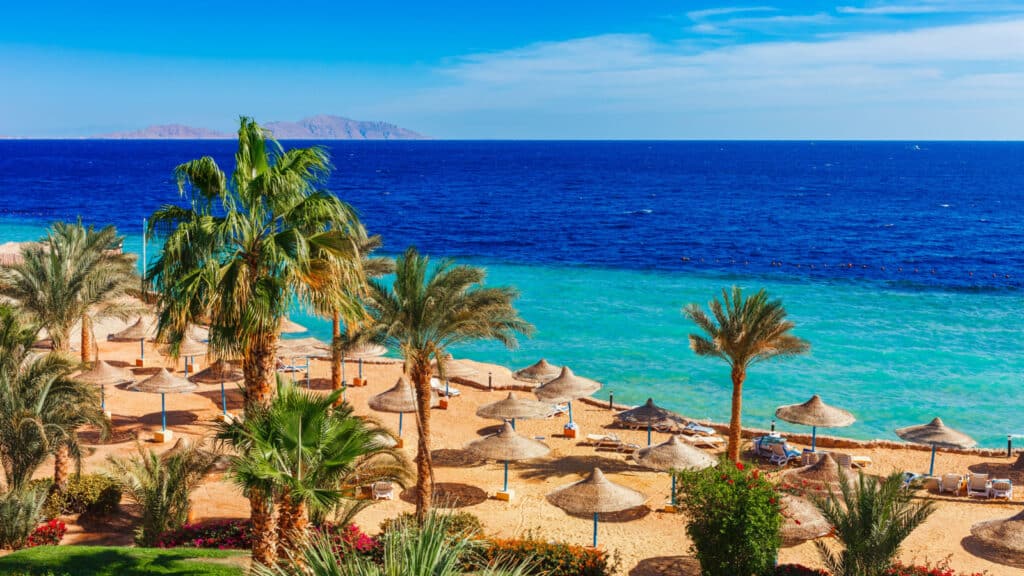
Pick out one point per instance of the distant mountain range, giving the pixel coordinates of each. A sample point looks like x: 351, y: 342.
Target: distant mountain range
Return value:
x: 321, y: 127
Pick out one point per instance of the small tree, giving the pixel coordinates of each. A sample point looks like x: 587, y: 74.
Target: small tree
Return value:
x: 872, y: 519
x: 734, y: 517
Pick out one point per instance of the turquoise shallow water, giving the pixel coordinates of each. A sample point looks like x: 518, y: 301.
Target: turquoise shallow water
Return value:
x: 893, y: 357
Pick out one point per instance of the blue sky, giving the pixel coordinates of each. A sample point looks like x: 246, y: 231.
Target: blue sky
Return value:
x: 913, y: 69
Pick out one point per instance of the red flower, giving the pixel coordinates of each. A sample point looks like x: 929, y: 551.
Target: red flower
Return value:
x: 739, y: 465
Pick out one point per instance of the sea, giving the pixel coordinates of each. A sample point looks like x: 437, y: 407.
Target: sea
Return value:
x: 902, y: 263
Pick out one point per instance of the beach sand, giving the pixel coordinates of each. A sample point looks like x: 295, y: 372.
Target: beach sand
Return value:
x: 648, y: 542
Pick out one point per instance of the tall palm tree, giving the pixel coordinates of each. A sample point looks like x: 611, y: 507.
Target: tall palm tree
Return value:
x: 742, y: 331
x: 427, y: 309
x: 41, y: 408
x: 72, y: 276
x: 306, y: 452
x: 871, y: 519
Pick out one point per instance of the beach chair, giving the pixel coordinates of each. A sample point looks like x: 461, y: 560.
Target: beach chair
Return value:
x: 698, y: 430
x: 782, y: 454
x: 603, y: 441
x: 558, y: 410
x: 702, y: 441
x: 977, y: 485
x: 451, y: 392
x: 861, y: 461
x: 1001, y: 488
x: 383, y: 491
x: 910, y: 480
x: 282, y: 367
x: 950, y: 483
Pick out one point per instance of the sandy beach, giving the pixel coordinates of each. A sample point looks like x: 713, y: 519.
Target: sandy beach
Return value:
x: 648, y: 542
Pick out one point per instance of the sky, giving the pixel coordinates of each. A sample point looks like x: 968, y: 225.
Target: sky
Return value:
x: 649, y: 69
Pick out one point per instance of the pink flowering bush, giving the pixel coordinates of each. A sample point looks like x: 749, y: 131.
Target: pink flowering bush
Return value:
x: 237, y: 535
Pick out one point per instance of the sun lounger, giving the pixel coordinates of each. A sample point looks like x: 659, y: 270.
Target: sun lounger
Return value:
x: 702, y: 441
x: 451, y: 391
x: 558, y: 410
x: 1000, y: 488
x: 978, y: 485
x: 950, y: 483
x: 782, y: 454
x: 383, y: 491
x: 697, y: 429
x: 861, y: 461
x: 610, y: 442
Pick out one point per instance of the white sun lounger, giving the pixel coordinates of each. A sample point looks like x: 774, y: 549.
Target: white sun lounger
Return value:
x: 1001, y: 488
x: 702, y: 441
x: 978, y: 485
x: 383, y: 491
x: 950, y: 483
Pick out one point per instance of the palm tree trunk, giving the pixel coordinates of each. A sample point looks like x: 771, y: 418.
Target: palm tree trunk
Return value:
x: 86, y: 338
x: 424, y: 466
x: 739, y: 374
x: 291, y: 524
x: 264, y: 536
x: 259, y: 370
x: 335, y: 352
x: 61, y: 465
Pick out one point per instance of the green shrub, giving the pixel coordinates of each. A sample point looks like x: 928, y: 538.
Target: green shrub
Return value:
x: 457, y: 524
x: 734, y: 519
x: 552, y: 558
x: 20, y: 513
x: 96, y: 495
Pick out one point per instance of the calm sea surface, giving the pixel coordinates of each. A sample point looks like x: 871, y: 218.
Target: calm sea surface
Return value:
x: 902, y: 263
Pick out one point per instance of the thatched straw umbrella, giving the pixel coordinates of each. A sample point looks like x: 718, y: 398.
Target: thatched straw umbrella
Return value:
x: 937, y: 434
x: 1004, y: 539
x: 540, y: 372
x: 220, y: 371
x: 802, y: 521
x: 815, y: 413
x: 649, y: 414
x: 673, y: 455
x: 303, y: 348
x: 512, y: 408
x: 361, y: 352
x: 566, y: 388
x: 163, y: 383
x: 821, y: 476
x: 188, y: 348
x: 594, y: 495
x: 399, y: 399
x: 452, y: 368
x: 508, y: 445
x: 104, y: 374
x: 286, y: 326
x: 137, y: 332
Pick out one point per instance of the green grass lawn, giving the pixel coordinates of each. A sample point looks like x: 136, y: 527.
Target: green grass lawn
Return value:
x: 122, y: 561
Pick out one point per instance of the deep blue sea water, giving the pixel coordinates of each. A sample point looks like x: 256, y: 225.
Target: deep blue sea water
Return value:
x: 902, y: 263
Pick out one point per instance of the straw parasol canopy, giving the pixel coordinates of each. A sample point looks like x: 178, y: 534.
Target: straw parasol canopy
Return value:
x: 540, y: 372
x: 367, y: 350
x: 594, y: 495
x: 218, y: 372
x: 566, y: 387
x: 163, y: 382
x: 286, y: 326
x: 802, y: 521
x: 303, y: 348
x: 647, y: 414
x: 936, y: 433
x: 104, y: 374
x: 820, y: 476
x: 513, y: 408
x: 507, y: 444
x: 137, y: 331
x: 1004, y: 539
x: 188, y: 347
x: 455, y: 369
x: 400, y: 398
x: 673, y: 455
x: 815, y: 412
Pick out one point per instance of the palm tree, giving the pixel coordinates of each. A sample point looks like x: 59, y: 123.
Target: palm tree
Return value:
x: 742, y: 331
x: 306, y: 453
x: 429, y: 548
x: 72, y: 276
x: 41, y: 408
x: 427, y: 310
x: 245, y: 249
x: 161, y: 485
x: 871, y: 519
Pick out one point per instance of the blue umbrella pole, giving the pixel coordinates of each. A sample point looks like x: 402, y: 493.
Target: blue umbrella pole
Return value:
x: 814, y: 438
x: 307, y: 372
x: 103, y: 397
x: 505, y: 489
x: 142, y: 349
x: 163, y: 412
x: 399, y: 424
x: 343, y: 371
x: 931, y: 469
x: 223, y: 399
x: 446, y: 394
x: 595, y: 529
x: 673, y: 489
x: 513, y: 423
x: 570, y: 412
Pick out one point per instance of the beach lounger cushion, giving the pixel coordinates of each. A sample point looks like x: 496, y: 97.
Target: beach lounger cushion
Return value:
x: 1001, y: 488
x: 950, y: 483
x: 978, y: 485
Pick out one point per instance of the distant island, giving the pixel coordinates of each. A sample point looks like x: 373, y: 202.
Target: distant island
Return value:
x: 320, y: 127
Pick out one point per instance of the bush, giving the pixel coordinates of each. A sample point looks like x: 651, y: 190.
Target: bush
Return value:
x: 48, y: 534
x: 734, y: 519
x: 458, y: 523
x: 552, y: 559
x: 20, y: 512
x: 797, y: 570
x: 940, y: 569
x: 237, y: 535
x: 96, y: 495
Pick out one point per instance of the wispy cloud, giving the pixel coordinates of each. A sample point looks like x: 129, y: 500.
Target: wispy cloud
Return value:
x: 890, y: 10
x: 697, y: 15
x: 925, y: 7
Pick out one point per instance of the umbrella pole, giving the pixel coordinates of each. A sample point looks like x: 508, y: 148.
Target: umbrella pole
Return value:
x: 103, y: 397
x: 142, y: 348
x: 595, y: 529
x: 648, y: 433
x: 570, y: 411
x: 223, y: 399
x: 673, y: 488
x: 343, y: 383
x: 399, y: 424
x: 446, y: 394
x: 814, y: 438
x: 931, y: 469
x: 307, y: 372
x: 513, y: 423
x: 505, y: 489
x: 360, y: 368
x: 163, y: 412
